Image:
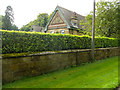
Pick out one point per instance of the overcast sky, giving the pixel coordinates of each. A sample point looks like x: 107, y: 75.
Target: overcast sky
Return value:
x: 27, y: 10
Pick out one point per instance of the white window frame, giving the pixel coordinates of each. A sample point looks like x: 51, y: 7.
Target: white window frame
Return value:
x: 52, y: 32
x: 62, y: 31
x: 74, y: 24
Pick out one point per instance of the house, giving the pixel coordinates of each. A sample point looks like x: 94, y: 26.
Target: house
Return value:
x: 35, y: 28
x: 64, y: 21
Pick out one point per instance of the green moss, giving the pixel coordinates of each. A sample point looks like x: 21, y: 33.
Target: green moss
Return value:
x: 17, y: 54
x: 27, y: 54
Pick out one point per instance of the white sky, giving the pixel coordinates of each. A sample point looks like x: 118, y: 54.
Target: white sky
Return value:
x: 27, y: 10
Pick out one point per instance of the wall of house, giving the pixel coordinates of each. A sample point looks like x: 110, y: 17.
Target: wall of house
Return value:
x: 58, y: 30
x: 67, y: 31
x: 74, y: 32
x: 15, y: 68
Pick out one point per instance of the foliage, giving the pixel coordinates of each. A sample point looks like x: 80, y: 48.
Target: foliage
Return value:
x: 9, y: 26
x: 87, y: 25
x: 9, y: 14
x: 14, y: 27
x: 100, y: 74
x: 1, y: 21
x: 107, y: 20
x: 27, y: 27
x: 8, y: 19
x: 6, y: 22
x: 21, y: 41
x: 41, y: 20
x: 50, y: 16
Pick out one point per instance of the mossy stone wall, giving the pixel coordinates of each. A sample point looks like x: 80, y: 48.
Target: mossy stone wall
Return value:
x: 15, y: 68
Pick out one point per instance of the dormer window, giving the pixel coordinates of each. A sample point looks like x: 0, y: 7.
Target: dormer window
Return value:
x: 74, y: 20
x: 74, y: 24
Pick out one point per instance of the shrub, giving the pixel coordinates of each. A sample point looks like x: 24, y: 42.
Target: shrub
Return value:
x: 21, y: 41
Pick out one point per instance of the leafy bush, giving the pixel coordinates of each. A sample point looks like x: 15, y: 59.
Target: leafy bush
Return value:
x: 21, y: 41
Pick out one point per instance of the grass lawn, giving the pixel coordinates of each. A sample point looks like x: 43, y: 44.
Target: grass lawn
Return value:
x: 100, y: 74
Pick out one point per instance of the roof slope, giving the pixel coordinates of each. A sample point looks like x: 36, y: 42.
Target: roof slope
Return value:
x: 67, y: 15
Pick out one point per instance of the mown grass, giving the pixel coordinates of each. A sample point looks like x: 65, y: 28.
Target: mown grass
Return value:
x: 100, y: 74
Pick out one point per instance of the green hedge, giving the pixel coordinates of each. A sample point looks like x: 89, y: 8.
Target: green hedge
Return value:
x: 20, y: 41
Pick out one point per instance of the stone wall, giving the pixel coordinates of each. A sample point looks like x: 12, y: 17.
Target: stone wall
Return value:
x: 15, y: 68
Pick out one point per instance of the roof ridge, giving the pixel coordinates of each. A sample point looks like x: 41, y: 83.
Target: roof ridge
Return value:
x: 65, y: 9
x: 70, y: 10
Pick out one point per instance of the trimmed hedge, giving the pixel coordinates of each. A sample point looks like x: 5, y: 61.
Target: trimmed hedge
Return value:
x: 20, y: 41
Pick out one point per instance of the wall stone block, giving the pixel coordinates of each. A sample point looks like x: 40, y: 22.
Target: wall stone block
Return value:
x: 16, y: 68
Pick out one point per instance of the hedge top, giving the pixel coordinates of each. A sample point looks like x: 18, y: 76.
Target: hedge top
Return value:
x: 21, y: 41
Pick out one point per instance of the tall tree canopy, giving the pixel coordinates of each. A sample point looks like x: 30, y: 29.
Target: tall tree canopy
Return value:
x: 8, y: 19
x: 9, y: 14
x: 107, y: 20
x: 41, y: 20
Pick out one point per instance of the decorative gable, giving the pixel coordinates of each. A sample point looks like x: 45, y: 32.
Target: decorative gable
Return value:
x: 57, y: 19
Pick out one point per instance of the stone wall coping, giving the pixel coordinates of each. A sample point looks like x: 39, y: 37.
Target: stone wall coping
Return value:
x: 29, y: 54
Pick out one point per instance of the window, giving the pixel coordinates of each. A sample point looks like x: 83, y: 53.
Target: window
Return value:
x: 62, y: 32
x: 74, y: 24
x: 52, y: 32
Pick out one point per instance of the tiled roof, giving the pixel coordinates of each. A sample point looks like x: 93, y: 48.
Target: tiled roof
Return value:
x: 68, y: 14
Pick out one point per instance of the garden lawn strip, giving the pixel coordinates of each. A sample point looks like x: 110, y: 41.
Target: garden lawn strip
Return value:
x: 99, y: 74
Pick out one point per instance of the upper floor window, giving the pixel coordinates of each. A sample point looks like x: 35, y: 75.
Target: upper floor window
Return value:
x: 74, y: 24
x: 62, y: 32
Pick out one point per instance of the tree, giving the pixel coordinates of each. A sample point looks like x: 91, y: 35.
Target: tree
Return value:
x: 41, y: 20
x: 107, y: 19
x: 28, y: 26
x: 1, y: 21
x: 87, y: 25
x: 6, y: 22
x: 9, y: 14
x: 50, y: 16
x: 14, y: 27
x: 8, y: 19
